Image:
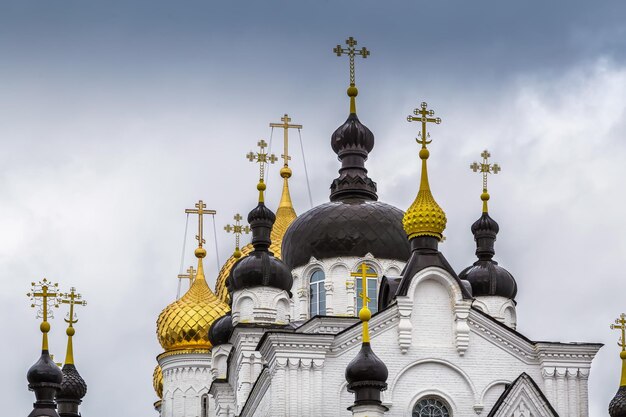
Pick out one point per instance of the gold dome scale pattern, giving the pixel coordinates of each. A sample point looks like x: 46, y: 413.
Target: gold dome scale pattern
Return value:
x: 157, y: 381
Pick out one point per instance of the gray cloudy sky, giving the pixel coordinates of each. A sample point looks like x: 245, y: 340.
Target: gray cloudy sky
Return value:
x: 116, y: 116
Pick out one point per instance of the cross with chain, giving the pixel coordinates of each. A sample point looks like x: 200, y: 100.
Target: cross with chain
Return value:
x: 424, y: 116
x: 237, y: 229
x: 262, y: 158
x: 620, y: 324
x: 200, y: 210
x: 190, y: 275
x: 485, y: 167
x: 351, y: 52
x: 44, y: 295
x: 286, y: 126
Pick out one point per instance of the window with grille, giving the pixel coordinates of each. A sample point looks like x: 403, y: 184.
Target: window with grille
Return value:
x: 317, y: 300
x: 372, y: 292
x: 431, y: 407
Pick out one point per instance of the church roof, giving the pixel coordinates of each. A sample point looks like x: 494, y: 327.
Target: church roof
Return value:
x: 523, y: 392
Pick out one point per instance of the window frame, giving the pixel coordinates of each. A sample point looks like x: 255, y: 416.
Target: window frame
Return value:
x: 320, y: 294
x: 437, y: 398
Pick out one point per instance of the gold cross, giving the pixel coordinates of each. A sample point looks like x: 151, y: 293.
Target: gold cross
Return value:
x: 351, y: 52
x: 237, y: 229
x: 620, y: 324
x: 424, y: 116
x: 262, y: 158
x: 362, y: 272
x: 200, y: 210
x: 190, y: 275
x: 485, y: 167
x: 44, y: 295
x: 286, y: 126
x: 72, y: 298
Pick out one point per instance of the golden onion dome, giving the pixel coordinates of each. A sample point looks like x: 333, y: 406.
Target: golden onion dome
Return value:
x: 424, y: 217
x: 285, y: 215
x: 185, y: 323
x: 157, y: 381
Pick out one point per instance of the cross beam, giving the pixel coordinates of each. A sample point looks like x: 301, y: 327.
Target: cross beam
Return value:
x: 485, y: 167
x: 620, y: 324
x: 351, y: 52
x: 44, y: 295
x: 237, y: 229
x: 200, y: 211
x: 286, y: 126
x: 190, y: 275
x: 424, y: 116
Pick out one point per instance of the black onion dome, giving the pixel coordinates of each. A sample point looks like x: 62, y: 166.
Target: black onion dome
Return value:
x: 44, y: 373
x: 73, y: 386
x: 351, y: 227
x: 486, y: 276
x: 617, y: 406
x: 260, y: 267
x: 221, y: 330
x: 366, y: 375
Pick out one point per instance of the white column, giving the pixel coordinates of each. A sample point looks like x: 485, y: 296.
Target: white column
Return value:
x: 316, y: 383
x: 548, y: 380
x: 293, y: 386
x: 329, y: 288
x: 561, y: 391
x: 279, y: 383
x: 350, y: 297
x: 305, y: 379
x: 572, y: 391
x: 583, y: 393
x: 303, y: 299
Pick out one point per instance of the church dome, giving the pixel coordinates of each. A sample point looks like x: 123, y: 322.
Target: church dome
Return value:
x: 485, y: 275
x: 73, y: 386
x: 185, y: 323
x: 221, y: 330
x: 366, y: 369
x: 353, y: 223
x: 157, y: 381
x: 617, y: 406
x: 44, y: 372
x: 347, y: 227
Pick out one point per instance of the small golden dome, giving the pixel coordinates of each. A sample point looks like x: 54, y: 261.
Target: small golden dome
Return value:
x: 424, y: 217
x: 185, y: 323
x: 157, y: 381
x: 220, y: 284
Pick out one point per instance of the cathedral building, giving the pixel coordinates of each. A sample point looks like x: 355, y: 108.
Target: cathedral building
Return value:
x: 351, y: 308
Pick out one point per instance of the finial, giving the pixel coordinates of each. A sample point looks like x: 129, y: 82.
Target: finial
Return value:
x: 200, y: 211
x: 351, y: 52
x: 285, y: 125
x: 44, y: 295
x: 620, y: 324
x: 424, y: 217
x: 190, y: 275
x: 364, y: 314
x: 262, y: 158
x: 237, y: 229
x: 72, y: 298
x: 485, y: 168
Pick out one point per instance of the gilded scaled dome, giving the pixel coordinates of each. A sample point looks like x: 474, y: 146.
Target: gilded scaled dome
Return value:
x: 220, y: 284
x: 185, y: 323
x: 157, y: 381
x: 424, y: 217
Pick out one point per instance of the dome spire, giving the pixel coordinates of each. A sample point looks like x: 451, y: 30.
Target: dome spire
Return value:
x: 262, y: 158
x: 424, y: 217
x: 617, y: 407
x: 44, y: 377
x: 352, y: 52
x: 366, y: 373
x: 285, y: 214
x: 73, y: 387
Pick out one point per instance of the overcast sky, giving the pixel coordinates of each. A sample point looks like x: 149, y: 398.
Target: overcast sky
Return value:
x: 116, y: 116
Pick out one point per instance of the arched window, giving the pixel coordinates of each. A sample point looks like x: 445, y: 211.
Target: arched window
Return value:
x: 317, y: 302
x: 204, y: 405
x: 431, y: 407
x: 372, y: 291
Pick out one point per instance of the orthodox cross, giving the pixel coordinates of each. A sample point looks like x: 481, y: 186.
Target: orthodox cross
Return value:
x: 351, y: 52
x: 72, y: 298
x: 190, y: 275
x: 620, y: 324
x: 286, y: 126
x: 365, y: 313
x: 200, y: 210
x: 485, y: 167
x: 44, y: 295
x: 262, y: 158
x: 237, y: 229
x: 424, y: 116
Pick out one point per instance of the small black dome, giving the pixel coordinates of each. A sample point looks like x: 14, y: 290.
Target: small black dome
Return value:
x: 366, y: 375
x: 44, y: 372
x: 351, y: 227
x: 486, y: 276
x: 260, y: 267
x: 617, y: 406
x: 73, y: 386
x: 221, y: 330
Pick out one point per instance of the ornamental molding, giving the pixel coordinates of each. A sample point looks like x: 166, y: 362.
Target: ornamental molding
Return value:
x: 380, y: 323
x: 327, y: 325
x: 185, y: 360
x: 279, y: 348
x: 503, y: 337
x: 258, y: 392
x: 566, y: 355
